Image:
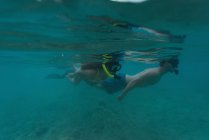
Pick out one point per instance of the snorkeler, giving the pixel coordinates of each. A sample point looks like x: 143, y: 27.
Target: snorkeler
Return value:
x: 142, y: 31
x: 105, y: 76
x: 94, y: 72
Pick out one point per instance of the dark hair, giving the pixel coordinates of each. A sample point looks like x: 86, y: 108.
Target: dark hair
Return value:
x: 173, y: 61
x: 113, y: 66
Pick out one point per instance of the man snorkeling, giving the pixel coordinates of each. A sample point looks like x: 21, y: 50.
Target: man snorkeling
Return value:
x: 106, y: 76
x: 141, y: 31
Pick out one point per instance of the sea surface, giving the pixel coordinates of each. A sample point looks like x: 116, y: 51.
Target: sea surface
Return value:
x: 40, y: 39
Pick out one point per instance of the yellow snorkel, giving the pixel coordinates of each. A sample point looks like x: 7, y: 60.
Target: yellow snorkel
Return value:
x: 107, y: 71
x: 110, y: 66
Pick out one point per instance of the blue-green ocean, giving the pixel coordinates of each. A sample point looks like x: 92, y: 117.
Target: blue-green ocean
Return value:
x: 39, y: 38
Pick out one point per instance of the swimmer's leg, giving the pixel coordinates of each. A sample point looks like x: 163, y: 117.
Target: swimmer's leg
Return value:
x: 170, y: 37
x: 162, y: 35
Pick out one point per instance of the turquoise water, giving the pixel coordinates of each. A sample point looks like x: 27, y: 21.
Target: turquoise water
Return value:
x: 39, y: 38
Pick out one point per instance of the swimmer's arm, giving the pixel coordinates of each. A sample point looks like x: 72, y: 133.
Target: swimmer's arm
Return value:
x: 132, y: 84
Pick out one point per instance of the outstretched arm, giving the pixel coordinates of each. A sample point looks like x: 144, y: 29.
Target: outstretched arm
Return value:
x: 131, y: 84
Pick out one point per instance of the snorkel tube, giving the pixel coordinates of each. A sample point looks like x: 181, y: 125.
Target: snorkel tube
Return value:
x: 107, y: 71
x: 111, y: 63
x: 110, y: 69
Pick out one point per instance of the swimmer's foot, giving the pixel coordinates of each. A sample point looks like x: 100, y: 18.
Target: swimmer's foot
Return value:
x: 177, y: 38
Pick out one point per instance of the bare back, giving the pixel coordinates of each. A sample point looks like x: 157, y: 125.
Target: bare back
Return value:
x: 92, y: 76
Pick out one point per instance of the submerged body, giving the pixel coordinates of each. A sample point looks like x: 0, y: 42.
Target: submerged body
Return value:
x: 124, y: 82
